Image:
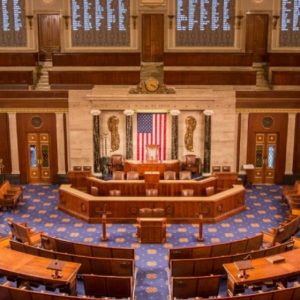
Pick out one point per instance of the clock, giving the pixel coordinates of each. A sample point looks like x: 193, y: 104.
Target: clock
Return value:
x: 151, y: 84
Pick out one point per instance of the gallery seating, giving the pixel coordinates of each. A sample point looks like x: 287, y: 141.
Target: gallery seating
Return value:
x: 108, y: 286
x: 214, y: 265
x: 190, y: 287
x: 57, y: 244
x: 24, y: 234
x: 10, y: 195
x: 240, y: 246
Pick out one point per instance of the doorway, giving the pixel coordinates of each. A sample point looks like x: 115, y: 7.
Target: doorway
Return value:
x: 265, y: 158
x: 38, y: 153
x: 49, y: 35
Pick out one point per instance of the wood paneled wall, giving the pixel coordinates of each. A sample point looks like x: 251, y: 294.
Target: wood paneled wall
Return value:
x: 18, y: 59
x: 207, y: 59
x: 94, y: 77
x: 210, y: 77
x: 280, y: 122
x: 284, y: 59
x: 5, y: 142
x: 16, y: 77
x: 296, y: 166
x: 286, y: 77
x: 96, y: 59
x: 24, y: 126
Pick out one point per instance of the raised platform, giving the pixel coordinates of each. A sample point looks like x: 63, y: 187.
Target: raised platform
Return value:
x: 124, y: 209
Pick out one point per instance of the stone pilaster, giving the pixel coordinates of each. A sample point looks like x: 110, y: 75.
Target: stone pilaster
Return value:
x: 13, y: 135
x: 96, y: 139
x: 129, y: 133
x: 61, y: 162
x: 174, y: 136
x: 290, y: 144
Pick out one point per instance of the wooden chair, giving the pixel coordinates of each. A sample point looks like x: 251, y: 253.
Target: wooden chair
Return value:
x: 210, y: 190
x: 118, y: 175
x: 185, y: 175
x: 169, y: 175
x: 108, y: 286
x: 132, y: 175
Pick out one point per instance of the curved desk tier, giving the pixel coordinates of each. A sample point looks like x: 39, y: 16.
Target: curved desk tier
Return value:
x: 179, y: 209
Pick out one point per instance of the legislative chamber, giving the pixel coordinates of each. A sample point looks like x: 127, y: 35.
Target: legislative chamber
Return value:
x: 149, y: 149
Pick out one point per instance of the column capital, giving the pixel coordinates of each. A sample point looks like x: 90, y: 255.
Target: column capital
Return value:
x: 175, y: 112
x: 95, y: 112
x: 208, y: 112
x: 128, y: 112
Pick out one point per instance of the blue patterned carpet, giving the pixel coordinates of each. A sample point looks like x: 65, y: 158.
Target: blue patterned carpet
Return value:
x: 39, y: 209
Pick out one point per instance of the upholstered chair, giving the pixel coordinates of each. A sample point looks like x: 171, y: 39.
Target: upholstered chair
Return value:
x: 118, y: 175
x: 151, y: 192
x: 158, y: 212
x: 210, y: 190
x: 77, y: 168
x: 114, y: 193
x: 87, y: 168
x: 170, y: 175
x: 185, y: 175
x: 187, y: 192
x: 94, y: 191
x: 132, y: 175
x: 192, y: 163
x: 216, y: 169
x: 116, y: 163
x: 226, y: 169
x: 145, y: 212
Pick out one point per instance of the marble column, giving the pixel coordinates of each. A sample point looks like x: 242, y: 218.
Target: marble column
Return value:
x: 290, y: 144
x: 243, y: 141
x: 174, y: 137
x: 207, y: 142
x: 96, y: 139
x: 61, y: 162
x: 13, y: 135
x: 129, y: 133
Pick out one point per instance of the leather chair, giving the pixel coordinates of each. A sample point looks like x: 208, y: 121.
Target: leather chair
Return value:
x: 185, y: 175
x: 114, y: 193
x: 216, y: 169
x: 87, y: 168
x: 118, y: 175
x: 169, y: 175
x: 116, y: 163
x: 187, y: 192
x: 226, y: 169
x: 151, y: 192
x: 77, y: 168
x: 210, y: 190
x: 192, y: 163
x: 132, y: 175
x: 145, y: 212
x: 94, y: 191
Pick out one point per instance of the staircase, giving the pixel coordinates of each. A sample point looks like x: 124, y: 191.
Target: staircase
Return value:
x: 43, y: 76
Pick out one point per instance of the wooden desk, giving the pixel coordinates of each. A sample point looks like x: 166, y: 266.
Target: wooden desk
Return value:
x: 34, y: 268
x: 161, y: 167
x: 78, y: 178
x: 152, y: 230
x: 263, y: 270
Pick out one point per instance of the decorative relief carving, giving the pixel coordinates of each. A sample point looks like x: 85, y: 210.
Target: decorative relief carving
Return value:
x: 113, y: 124
x: 191, y: 124
x: 151, y: 86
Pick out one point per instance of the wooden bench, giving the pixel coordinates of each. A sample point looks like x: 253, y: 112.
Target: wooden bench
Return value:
x: 188, y: 287
x: 230, y: 248
x: 59, y: 245
x: 10, y: 195
x: 284, y: 231
x: 89, y: 265
x: 24, y: 234
x: 214, y: 265
x: 108, y: 286
x: 11, y: 293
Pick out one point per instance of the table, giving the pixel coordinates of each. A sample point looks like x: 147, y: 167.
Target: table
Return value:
x: 263, y: 270
x: 34, y: 268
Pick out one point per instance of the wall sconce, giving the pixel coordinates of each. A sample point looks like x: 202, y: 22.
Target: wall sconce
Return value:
x: 66, y: 18
x: 29, y: 18
x: 275, y: 21
x: 134, y: 17
x: 171, y: 17
x: 239, y: 21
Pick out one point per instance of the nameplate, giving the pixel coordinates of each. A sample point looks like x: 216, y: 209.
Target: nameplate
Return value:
x: 275, y: 259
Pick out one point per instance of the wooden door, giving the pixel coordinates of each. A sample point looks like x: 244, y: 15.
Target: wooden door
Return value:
x: 257, y: 36
x: 265, y: 158
x: 152, y: 37
x: 49, y: 35
x: 38, y: 153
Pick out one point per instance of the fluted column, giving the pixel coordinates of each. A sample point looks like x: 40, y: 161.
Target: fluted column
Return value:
x: 13, y: 135
x: 174, y: 137
x: 61, y: 162
x: 96, y: 139
x: 129, y: 133
x: 207, y: 142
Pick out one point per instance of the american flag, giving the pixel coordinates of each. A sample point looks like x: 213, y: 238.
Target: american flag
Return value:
x: 151, y: 130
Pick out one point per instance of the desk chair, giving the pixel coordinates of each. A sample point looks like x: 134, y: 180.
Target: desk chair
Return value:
x: 185, y: 175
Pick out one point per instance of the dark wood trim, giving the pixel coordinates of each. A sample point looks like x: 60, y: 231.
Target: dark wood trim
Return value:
x: 5, y: 151
x: 284, y: 59
x: 34, y: 94
x: 16, y: 77
x: 296, y: 165
x: 286, y: 77
x: 18, y: 59
x: 268, y: 94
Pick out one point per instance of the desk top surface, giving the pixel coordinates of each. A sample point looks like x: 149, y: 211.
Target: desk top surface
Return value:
x: 263, y: 269
x: 34, y: 266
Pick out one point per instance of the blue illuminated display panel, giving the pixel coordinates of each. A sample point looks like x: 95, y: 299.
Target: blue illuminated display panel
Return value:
x: 100, y: 23
x: 12, y: 23
x: 205, y: 23
x: 290, y: 23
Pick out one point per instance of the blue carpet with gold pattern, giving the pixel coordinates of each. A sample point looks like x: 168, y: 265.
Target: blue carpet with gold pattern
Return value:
x: 39, y: 209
